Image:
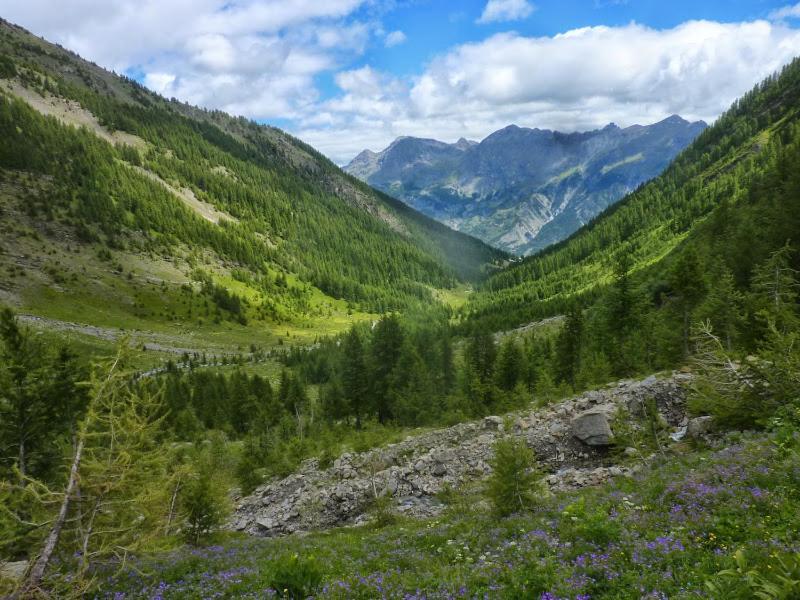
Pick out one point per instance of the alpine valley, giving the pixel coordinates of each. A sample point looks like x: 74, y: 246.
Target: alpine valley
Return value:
x: 524, y: 189
x: 230, y: 369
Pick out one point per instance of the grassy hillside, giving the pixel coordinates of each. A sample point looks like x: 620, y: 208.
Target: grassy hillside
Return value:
x: 125, y: 210
x: 726, y: 168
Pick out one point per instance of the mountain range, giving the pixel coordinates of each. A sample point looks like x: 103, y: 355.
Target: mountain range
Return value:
x: 523, y: 189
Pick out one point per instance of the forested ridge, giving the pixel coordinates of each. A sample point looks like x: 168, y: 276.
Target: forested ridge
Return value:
x: 749, y: 147
x: 291, y: 209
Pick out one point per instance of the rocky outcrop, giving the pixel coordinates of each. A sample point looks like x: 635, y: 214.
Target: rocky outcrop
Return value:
x: 570, y: 440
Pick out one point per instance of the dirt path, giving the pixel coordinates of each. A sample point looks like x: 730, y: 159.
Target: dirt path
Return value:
x: 149, y: 341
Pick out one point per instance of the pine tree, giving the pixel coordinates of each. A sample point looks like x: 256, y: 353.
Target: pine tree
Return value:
x: 411, y: 390
x: 481, y: 354
x: 39, y: 398
x: 448, y: 368
x: 334, y: 403
x: 203, y: 503
x: 512, y: 484
x: 387, y: 340
x: 724, y: 307
x: 354, y: 376
x: 688, y: 287
x: 568, y: 347
x: 111, y: 499
x: 121, y: 501
x: 509, y: 370
x: 622, y: 319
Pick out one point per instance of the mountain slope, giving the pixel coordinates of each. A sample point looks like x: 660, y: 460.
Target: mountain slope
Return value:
x: 108, y: 188
x: 524, y: 189
x: 731, y: 196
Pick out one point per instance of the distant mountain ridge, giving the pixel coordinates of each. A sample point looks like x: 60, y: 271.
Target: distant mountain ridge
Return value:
x: 523, y: 189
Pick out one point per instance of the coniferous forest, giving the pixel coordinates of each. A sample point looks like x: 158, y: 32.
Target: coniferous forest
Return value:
x: 200, y: 311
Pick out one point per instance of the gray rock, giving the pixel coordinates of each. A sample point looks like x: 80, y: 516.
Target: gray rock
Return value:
x: 493, y: 423
x: 592, y: 429
x: 698, y: 427
x: 13, y: 571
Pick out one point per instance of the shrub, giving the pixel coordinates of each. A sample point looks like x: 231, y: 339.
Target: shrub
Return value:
x: 296, y: 577
x: 382, y: 511
x: 590, y: 524
x: 512, y: 485
x: 204, y: 506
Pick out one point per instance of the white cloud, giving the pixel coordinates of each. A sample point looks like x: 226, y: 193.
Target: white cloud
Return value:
x: 159, y: 82
x: 578, y: 80
x: 395, y: 38
x: 263, y: 59
x: 255, y: 57
x: 506, y: 10
x: 787, y: 12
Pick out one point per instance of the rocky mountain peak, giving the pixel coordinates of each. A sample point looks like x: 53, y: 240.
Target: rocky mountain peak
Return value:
x: 521, y: 189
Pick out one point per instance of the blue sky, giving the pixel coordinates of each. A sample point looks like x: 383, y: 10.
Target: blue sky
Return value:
x: 345, y: 75
x: 434, y: 26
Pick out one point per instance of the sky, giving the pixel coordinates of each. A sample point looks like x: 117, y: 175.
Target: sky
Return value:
x: 345, y: 75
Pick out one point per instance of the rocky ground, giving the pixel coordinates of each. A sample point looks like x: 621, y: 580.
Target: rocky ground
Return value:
x: 572, y: 441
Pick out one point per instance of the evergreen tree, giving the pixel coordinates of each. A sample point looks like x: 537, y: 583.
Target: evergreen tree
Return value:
x: 203, y: 502
x: 622, y: 318
x: 510, y: 362
x: 411, y: 390
x: 479, y: 362
x: 688, y: 287
x: 512, y: 484
x: 39, y: 398
x: 294, y: 399
x: 121, y: 502
x: 117, y: 468
x: 334, y: 402
x: 481, y: 354
x: 387, y: 340
x: 354, y: 376
x: 568, y: 347
x: 724, y: 306
x: 448, y: 368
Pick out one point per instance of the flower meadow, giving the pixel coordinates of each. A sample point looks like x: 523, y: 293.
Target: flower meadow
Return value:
x: 709, y: 523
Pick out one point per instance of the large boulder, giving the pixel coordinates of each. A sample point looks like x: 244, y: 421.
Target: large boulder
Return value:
x: 698, y: 427
x: 592, y: 428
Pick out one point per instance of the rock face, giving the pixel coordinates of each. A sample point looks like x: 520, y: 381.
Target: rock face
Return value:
x: 592, y: 429
x: 522, y: 189
x: 568, y: 439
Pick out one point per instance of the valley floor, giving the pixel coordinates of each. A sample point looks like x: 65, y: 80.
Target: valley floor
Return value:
x: 717, y: 522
